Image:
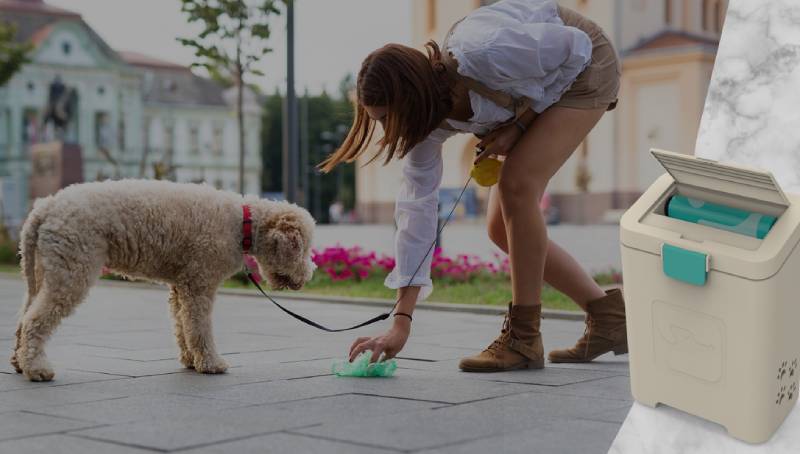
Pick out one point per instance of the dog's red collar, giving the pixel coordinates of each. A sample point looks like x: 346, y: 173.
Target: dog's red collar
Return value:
x: 247, y: 229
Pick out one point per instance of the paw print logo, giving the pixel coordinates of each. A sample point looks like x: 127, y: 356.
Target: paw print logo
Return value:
x: 782, y: 369
x: 792, y: 391
x: 793, y: 368
x: 781, y: 395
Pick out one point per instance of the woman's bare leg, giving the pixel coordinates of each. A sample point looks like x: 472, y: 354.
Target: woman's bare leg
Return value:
x: 561, y: 270
x: 544, y: 147
x: 540, y: 152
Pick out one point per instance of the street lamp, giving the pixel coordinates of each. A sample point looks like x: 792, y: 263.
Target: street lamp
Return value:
x: 291, y: 140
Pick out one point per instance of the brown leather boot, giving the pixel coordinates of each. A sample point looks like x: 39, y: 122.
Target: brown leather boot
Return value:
x: 519, y: 345
x: 605, y: 331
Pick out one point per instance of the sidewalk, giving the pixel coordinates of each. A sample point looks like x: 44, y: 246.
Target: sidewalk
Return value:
x: 119, y: 388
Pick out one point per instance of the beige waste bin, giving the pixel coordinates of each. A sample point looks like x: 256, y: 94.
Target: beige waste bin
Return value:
x: 713, y: 308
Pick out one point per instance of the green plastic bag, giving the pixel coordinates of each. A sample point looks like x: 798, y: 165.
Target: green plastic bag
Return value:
x: 361, y: 367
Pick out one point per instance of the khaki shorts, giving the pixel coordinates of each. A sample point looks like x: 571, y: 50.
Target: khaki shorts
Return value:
x: 597, y: 85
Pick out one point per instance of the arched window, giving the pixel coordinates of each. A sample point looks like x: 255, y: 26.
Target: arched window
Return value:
x: 704, y: 15
x: 719, y: 16
x: 431, y: 16
x: 668, y: 12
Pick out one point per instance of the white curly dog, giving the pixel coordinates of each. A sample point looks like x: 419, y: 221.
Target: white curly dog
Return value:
x: 188, y: 236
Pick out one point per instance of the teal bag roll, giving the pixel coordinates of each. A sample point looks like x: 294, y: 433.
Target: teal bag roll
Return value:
x: 722, y: 217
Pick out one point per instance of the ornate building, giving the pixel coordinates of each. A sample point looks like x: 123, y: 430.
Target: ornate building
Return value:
x: 130, y: 115
x: 667, y: 49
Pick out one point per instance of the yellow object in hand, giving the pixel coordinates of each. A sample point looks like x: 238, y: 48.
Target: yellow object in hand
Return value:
x: 487, y: 172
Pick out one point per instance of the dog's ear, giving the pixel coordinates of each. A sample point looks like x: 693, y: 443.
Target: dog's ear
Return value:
x: 284, y: 240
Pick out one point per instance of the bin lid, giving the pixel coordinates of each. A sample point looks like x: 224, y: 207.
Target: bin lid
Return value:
x: 726, y: 177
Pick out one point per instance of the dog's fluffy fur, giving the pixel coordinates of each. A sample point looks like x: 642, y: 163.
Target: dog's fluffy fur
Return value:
x: 185, y: 235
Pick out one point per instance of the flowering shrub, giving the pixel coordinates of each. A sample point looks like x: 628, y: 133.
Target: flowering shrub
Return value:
x: 341, y: 263
x: 465, y: 268
x: 609, y: 277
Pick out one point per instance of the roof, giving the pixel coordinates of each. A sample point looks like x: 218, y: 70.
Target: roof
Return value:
x: 35, y: 6
x: 35, y: 20
x: 31, y: 16
x: 142, y: 60
x: 673, y: 39
x: 178, y: 85
x: 164, y: 82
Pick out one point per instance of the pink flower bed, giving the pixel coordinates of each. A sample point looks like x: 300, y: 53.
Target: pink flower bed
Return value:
x: 342, y: 264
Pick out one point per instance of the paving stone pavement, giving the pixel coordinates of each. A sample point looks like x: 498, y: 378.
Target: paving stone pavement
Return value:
x: 120, y: 389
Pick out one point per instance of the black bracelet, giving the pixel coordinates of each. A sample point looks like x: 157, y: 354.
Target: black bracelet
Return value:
x: 404, y: 315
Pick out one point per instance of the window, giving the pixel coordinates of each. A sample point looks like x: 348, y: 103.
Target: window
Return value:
x: 668, y: 12
x: 121, y: 133
x: 431, y: 16
x: 216, y: 145
x: 102, y: 130
x: 169, y: 141
x: 66, y: 47
x: 704, y: 14
x: 5, y: 127
x: 30, y: 126
x: 194, y: 140
x: 719, y: 16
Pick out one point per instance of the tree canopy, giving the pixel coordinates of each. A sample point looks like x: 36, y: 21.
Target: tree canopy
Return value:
x: 12, y: 54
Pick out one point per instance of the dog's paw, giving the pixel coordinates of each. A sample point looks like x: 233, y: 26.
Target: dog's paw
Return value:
x: 39, y: 370
x: 212, y: 365
x: 187, y: 360
x: 15, y: 363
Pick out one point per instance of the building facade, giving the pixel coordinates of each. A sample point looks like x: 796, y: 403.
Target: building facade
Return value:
x: 667, y: 49
x: 132, y: 116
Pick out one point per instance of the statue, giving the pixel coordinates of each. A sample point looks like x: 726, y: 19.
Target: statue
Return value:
x: 61, y: 107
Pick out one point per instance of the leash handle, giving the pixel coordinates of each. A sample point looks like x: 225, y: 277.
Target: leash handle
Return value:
x: 378, y: 318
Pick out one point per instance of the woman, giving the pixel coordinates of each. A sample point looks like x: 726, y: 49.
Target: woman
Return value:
x: 564, y: 69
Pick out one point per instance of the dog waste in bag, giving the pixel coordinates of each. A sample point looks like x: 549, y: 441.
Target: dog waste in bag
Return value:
x: 361, y: 367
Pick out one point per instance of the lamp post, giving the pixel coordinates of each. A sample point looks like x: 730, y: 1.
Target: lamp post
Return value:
x: 290, y: 127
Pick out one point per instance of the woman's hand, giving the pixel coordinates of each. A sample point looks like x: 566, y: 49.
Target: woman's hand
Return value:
x: 498, y: 142
x: 389, y: 343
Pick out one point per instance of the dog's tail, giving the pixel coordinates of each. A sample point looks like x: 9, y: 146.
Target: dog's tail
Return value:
x: 27, y: 247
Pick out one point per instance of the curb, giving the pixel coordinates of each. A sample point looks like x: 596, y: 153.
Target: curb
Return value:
x: 481, y: 309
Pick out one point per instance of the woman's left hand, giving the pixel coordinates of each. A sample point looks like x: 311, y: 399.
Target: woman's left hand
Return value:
x: 498, y: 142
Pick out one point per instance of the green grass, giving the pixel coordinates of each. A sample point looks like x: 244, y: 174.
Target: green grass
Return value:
x: 487, y: 290
x: 9, y: 268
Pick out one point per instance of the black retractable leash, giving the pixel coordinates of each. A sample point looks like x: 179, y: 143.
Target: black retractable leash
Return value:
x: 383, y: 316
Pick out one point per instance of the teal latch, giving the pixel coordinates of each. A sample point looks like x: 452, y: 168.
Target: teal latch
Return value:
x: 684, y: 265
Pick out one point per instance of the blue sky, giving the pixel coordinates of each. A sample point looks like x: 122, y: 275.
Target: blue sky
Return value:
x: 332, y: 36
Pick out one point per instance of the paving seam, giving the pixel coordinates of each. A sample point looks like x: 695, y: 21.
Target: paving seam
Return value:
x: 246, y: 437
x: 64, y: 384
x: 114, y: 442
x: 551, y: 386
x: 59, y: 432
x: 322, y: 437
x: 444, y: 404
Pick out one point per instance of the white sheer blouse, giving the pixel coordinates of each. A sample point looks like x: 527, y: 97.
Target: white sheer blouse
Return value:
x: 518, y: 46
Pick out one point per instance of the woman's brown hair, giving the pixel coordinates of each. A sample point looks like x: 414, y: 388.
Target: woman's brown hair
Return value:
x: 415, y: 88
